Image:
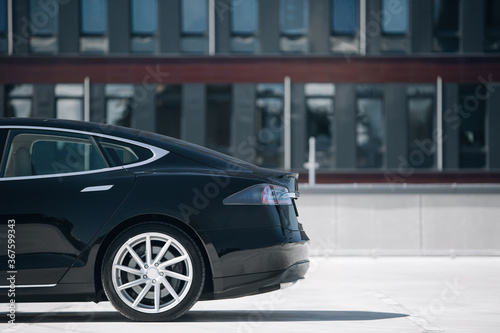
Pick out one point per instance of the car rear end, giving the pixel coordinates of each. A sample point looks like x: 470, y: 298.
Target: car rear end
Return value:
x: 267, y: 247
x: 246, y: 216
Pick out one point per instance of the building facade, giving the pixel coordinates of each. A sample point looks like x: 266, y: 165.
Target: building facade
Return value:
x: 392, y: 90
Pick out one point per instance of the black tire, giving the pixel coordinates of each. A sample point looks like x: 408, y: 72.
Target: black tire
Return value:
x: 155, y: 289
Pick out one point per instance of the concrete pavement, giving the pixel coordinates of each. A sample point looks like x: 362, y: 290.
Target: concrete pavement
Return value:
x: 340, y: 294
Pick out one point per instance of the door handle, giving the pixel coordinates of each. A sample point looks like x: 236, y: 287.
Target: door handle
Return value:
x: 97, y: 188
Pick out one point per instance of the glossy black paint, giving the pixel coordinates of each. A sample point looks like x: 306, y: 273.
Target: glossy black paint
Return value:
x: 63, y: 233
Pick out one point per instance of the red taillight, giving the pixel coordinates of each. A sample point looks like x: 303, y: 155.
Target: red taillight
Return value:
x: 261, y: 194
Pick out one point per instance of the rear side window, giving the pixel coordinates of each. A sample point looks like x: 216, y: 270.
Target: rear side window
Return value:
x: 45, y: 153
x: 119, y: 153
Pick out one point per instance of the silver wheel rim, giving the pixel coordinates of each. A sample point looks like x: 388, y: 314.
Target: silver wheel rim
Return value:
x: 152, y: 272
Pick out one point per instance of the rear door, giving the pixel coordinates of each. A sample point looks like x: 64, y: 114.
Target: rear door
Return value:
x: 56, y: 189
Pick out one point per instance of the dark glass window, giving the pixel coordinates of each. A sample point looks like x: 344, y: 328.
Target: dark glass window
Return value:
x: 492, y: 15
x: 219, y: 117
x: 344, y: 17
x: 19, y: 100
x: 169, y: 110
x: 369, y: 126
x: 294, y: 17
x: 472, y: 128
x: 119, y: 100
x: 320, y: 112
x: 446, y: 15
x: 244, y: 17
x: 446, y: 25
x: 395, y: 19
x: 94, y: 17
x: 3, y: 16
x: 43, y: 18
x: 421, y: 145
x: 194, y: 16
x: 143, y: 16
x: 269, y: 125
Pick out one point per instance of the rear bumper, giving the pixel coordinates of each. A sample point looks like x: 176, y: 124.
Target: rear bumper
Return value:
x: 293, y: 258
x: 292, y: 274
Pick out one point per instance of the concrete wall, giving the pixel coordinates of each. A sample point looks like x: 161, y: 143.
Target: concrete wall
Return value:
x: 419, y: 220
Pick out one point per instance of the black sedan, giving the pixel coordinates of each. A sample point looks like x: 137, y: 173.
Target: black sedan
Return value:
x: 92, y: 212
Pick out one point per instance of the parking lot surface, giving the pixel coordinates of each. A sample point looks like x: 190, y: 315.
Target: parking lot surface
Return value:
x: 340, y: 294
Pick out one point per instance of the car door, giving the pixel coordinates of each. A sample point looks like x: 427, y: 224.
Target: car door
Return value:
x: 56, y: 189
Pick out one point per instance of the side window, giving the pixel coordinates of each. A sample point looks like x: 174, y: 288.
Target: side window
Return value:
x: 37, y: 153
x: 119, y: 153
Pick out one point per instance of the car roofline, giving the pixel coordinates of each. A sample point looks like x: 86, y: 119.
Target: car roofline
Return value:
x: 157, y: 151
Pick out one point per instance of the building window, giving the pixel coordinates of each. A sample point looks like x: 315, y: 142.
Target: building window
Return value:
x: 244, y: 26
x: 294, y: 26
x: 94, y: 26
x: 320, y: 113
x: 369, y: 126
x: 43, y: 26
x: 169, y: 109
x: 492, y: 15
x: 472, y: 127
x: 19, y: 100
x: 3, y: 16
x: 118, y: 103
x: 69, y: 101
x: 144, y: 24
x: 269, y: 127
x: 395, y: 18
x: 421, y: 145
x: 446, y: 26
x: 219, y: 98
x: 194, y: 26
x: 344, y: 17
x: 3, y: 26
x: 344, y: 26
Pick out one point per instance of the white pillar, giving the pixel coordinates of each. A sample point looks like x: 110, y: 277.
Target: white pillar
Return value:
x: 86, y: 99
x: 362, y: 27
x: 287, y: 125
x: 439, y: 125
x: 211, y: 27
x: 312, y: 160
x: 10, y: 27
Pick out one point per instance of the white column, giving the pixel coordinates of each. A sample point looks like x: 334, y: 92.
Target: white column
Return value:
x: 287, y: 125
x: 439, y: 125
x: 312, y: 160
x: 86, y: 99
x: 211, y: 27
x: 362, y: 27
x: 10, y: 27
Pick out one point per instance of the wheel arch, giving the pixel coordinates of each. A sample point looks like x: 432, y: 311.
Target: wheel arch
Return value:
x: 119, y: 228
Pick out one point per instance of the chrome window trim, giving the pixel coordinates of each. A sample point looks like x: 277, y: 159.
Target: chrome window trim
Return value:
x: 157, y: 152
x: 31, y: 286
